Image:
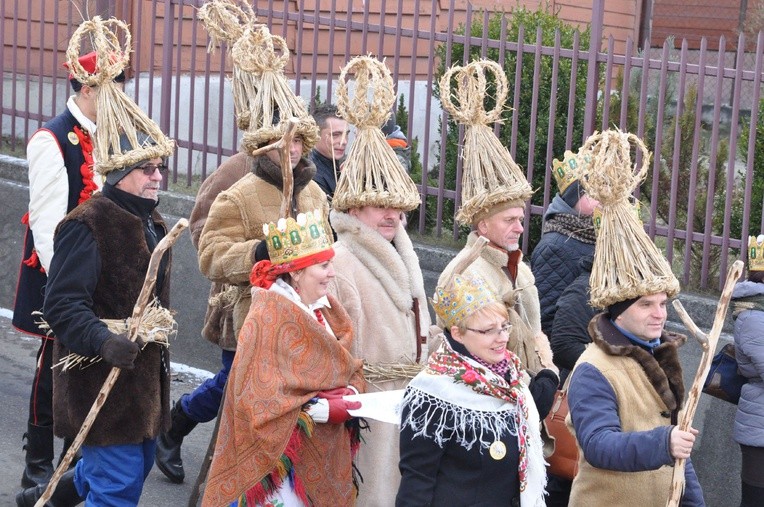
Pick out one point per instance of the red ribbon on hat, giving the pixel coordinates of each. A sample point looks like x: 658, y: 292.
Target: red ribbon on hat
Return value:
x: 264, y: 272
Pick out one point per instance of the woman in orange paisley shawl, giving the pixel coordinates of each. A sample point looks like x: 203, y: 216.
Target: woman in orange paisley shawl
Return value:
x: 286, y: 438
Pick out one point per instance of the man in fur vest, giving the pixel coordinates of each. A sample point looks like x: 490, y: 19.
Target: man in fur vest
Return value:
x: 60, y: 156
x: 378, y: 280
x: 101, y: 254
x: 626, y: 390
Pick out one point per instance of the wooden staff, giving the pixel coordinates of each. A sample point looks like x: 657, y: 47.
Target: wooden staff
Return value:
x: 283, y: 145
x: 708, y: 344
x: 135, y: 320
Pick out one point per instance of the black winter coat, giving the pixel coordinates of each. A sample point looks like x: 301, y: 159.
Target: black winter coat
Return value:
x: 570, y: 330
x: 554, y: 263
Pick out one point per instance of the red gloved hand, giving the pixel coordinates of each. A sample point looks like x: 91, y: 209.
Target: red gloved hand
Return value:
x: 337, y: 392
x: 338, y: 409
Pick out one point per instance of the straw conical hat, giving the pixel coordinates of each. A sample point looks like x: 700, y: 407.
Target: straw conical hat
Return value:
x: 371, y: 174
x: 627, y: 264
x: 490, y: 176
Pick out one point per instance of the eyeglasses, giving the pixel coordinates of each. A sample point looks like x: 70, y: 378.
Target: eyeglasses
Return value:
x: 494, y: 331
x: 148, y: 169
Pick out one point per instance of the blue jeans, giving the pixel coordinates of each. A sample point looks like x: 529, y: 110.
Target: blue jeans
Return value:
x: 113, y: 475
x: 202, y: 405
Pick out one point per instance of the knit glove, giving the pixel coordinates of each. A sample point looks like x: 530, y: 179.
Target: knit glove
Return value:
x: 338, y: 409
x: 118, y: 351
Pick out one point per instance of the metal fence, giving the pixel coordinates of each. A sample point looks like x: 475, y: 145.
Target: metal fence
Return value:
x: 692, y: 107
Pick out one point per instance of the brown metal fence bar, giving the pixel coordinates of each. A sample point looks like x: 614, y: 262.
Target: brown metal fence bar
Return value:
x: 625, y: 85
x: 675, y: 163
x: 573, y: 88
x: 608, y: 78
x: 712, y: 164
x: 552, y: 119
x: 658, y: 141
x: 752, y: 147
x: 734, y: 127
x: 690, y: 223
x: 592, y: 73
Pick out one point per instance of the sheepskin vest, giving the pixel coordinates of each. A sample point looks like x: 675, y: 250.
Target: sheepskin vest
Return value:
x: 650, y: 391
x: 138, y: 406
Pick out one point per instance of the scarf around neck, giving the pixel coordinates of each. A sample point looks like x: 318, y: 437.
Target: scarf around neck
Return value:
x: 578, y: 227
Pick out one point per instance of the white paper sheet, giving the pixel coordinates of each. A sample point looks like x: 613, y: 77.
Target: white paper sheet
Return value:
x: 382, y: 406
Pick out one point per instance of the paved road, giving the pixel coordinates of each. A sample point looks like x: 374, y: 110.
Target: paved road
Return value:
x: 17, y: 356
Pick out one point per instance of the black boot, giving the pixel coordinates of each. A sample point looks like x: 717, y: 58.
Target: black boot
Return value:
x: 39, y: 456
x: 168, y: 444
x: 65, y: 494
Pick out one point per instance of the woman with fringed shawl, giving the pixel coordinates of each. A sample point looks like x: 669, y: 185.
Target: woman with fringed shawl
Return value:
x: 470, y: 425
x: 286, y: 438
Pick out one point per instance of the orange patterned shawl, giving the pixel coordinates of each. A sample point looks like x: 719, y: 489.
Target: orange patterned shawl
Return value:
x: 283, y: 358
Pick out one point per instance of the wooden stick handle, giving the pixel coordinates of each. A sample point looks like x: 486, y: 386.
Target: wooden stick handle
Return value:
x: 686, y: 416
x: 111, y: 379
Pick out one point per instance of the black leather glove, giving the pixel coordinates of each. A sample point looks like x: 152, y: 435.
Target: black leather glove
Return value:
x: 120, y: 352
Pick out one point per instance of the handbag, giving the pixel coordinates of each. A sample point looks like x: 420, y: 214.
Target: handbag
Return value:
x: 724, y: 380
x: 563, y: 460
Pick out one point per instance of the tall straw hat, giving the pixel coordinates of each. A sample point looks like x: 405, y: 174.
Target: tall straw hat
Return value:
x: 226, y: 22
x: 490, y: 178
x: 122, y: 125
x: 627, y: 264
x: 262, y: 53
x: 371, y: 174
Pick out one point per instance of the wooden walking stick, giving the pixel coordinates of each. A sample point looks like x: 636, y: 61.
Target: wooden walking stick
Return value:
x: 708, y: 343
x: 135, y: 320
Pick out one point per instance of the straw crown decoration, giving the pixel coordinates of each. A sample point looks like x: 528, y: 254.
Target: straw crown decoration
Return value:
x: 490, y: 175
x: 627, y: 264
x: 371, y: 174
x: 756, y: 253
x: 117, y: 113
x: 259, y: 52
x: 568, y: 170
x: 290, y: 238
x: 226, y: 22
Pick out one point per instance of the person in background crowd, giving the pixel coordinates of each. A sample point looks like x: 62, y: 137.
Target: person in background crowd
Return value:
x: 329, y: 152
x: 60, y: 156
x: 398, y: 142
x: 748, y: 431
x: 566, y: 237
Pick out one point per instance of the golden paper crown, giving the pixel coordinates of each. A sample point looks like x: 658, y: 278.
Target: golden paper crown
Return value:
x: 291, y: 239
x: 756, y: 253
x: 461, y: 298
x: 568, y: 170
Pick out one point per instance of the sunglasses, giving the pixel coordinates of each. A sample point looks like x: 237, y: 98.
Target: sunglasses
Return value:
x: 148, y: 169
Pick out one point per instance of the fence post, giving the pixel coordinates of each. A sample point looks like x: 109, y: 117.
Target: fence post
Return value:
x: 166, y: 95
x: 590, y: 112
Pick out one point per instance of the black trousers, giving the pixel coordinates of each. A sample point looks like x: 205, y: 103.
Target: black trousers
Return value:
x: 41, y: 397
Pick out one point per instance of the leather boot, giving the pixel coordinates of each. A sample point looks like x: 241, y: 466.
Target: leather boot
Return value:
x: 168, y: 444
x: 65, y: 494
x: 39, y: 456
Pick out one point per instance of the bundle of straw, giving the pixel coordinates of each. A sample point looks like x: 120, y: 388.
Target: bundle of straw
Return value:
x: 264, y: 54
x: 371, y: 175
x: 226, y: 22
x: 117, y: 113
x: 378, y: 373
x: 157, y: 326
x: 490, y: 175
x: 627, y: 264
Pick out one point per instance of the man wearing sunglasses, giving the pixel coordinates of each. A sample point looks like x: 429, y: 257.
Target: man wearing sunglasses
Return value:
x: 60, y: 156
x: 102, y: 251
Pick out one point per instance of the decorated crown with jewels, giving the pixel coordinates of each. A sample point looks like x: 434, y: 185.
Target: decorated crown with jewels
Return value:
x: 294, y: 238
x: 461, y: 298
x: 756, y: 253
x: 568, y: 170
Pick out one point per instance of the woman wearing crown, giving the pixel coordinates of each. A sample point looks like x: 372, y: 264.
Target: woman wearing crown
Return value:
x: 285, y: 436
x: 470, y: 425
